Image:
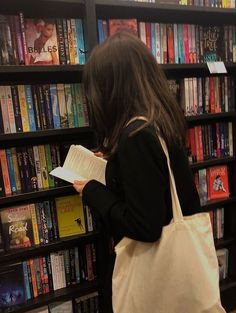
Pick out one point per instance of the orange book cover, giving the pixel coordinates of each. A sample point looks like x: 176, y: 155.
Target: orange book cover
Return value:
x: 218, y: 182
x: 5, y: 172
x: 129, y: 25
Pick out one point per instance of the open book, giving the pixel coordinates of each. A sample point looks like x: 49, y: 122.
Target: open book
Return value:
x: 81, y: 164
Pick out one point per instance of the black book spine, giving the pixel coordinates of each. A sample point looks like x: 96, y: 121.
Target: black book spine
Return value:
x: 66, y: 40
x: 48, y: 106
x: 16, y: 107
x: 36, y: 107
x: 21, y: 169
x: 61, y: 42
x: 2, y: 191
x: 42, y: 108
x: 32, y: 171
x: 26, y: 168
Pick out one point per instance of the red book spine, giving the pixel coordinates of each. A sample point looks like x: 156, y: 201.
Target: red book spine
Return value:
x: 212, y: 95
x: 186, y: 46
x: 148, y: 35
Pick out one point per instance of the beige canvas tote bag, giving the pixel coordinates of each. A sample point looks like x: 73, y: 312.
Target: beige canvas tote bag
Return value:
x: 177, y: 274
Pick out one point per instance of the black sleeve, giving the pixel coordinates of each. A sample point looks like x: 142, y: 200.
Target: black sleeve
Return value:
x: 141, y: 214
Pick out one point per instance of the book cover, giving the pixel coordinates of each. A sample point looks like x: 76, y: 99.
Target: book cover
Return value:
x: 70, y: 216
x: 218, y: 182
x: 12, y: 289
x: 41, y: 41
x: 129, y: 25
x: 17, y: 229
x: 212, y: 37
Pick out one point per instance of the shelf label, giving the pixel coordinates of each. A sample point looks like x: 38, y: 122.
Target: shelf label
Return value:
x: 216, y: 67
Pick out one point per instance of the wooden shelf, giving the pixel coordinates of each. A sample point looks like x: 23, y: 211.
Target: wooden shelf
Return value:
x: 8, y: 139
x: 63, y: 243
x: 31, y: 196
x: 218, y: 203
x: 163, y: 12
x: 194, y: 119
x: 58, y: 295
x: 226, y: 241
x: 212, y: 162
x: 40, y: 73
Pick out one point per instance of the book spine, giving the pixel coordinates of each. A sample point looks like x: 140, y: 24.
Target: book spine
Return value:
x: 46, y: 276
x: 33, y: 277
x: 64, y: 22
x: 19, y: 40
x: 75, y: 40
x: 26, y: 167
x: 67, y: 267
x: 24, y: 44
x: 11, y: 171
x: 54, y: 220
x: 14, y: 41
x: 6, y: 178
x: 37, y: 167
x: 36, y: 107
x: 38, y: 276
x: 49, y: 270
x: 26, y: 281
x: 40, y: 260
x: 70, y: 42
x: 43, y: 164
x: 16, y: 107
x: 4, y: 109
x: 34, y: 224
x: 62, y: 106
x: 68, y: 99
x: 30, y: 107
x: 21, y: 169
x: 55, y: 106
x: 10, y: 109
x: 89, y: 262
x: 2, y: 189
x: 80, y: 41
x: 39, y: 223
x: 61, y: 41
x: 44, y: 223
x: 49, y: 221
x: 47, y: 106
x: 77, y: 265
x: 49, y: 165
x: 23, y: 108
x: 32, y: 169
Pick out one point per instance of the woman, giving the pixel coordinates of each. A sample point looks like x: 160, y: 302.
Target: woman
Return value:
x: 122, y: 82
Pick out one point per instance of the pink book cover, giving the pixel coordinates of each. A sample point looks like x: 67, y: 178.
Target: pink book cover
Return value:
x: 41, y: 41
x: 186, y: 46
x: 129, y: 25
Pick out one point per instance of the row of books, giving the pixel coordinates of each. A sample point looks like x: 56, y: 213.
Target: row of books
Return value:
x: 210, y: 141
x: 42, y: 274
x: 212, y: 183
x: 199, y: 95
x: 41, y: 41
x: 217, y: 222
x: 178, y: 43
x: 25, y: 108
x: 229, y: 4
x: 226, y: 4
x: 84, y: 304
x: 25, y: 169
x: 40, y: 223
x: 223, y: 262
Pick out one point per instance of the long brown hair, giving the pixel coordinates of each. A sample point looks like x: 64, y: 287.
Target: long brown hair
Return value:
x: 122, y: 80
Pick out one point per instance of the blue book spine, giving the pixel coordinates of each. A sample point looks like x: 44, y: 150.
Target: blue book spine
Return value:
x: 101, y: 36
x: 176, y: 43
x: 80, y: 40
x: 11, y: 170
x: 213, y: 3
x: 153, y: 39
x: 181, y: 45
x: 30, y: 107
x: 55, y: 106
x: 26, y: 280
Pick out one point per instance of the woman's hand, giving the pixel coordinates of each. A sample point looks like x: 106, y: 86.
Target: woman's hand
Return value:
x: 79, y: 185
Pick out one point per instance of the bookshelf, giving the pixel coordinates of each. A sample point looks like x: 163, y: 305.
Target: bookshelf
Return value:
x: 90, y: 11
x: 164, y: 13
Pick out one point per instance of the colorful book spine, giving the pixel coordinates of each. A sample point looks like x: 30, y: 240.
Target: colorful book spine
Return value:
x: 30, y: 107
x: 11, y: 170
x: 23, y: 108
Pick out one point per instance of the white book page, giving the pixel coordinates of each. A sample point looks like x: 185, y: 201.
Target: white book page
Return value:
x: 81, y: 164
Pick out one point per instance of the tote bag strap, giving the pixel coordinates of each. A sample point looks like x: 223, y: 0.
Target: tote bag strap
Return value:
x: 176, y: 208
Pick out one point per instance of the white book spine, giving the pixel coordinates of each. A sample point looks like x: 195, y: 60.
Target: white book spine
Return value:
x: 142, y: 32
x: 10, y: 109
x: 5, y: 117
x: 230, y: 134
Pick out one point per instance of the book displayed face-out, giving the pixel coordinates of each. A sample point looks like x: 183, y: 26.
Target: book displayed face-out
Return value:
x: 81, y: 164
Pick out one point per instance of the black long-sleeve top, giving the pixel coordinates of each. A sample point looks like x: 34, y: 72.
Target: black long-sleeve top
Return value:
x: 136, y: 200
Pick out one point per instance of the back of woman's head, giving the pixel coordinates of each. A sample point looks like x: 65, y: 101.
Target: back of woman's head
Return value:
x: 122, y: 80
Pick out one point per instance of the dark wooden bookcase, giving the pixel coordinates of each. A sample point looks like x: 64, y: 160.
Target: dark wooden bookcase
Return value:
x: 90, y: 11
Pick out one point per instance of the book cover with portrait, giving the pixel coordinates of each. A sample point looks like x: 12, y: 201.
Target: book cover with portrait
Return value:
x: 17, y: 229
x: 41, y: 41
x: 218, y: 183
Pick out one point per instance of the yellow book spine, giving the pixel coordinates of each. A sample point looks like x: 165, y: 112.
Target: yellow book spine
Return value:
x: 71, y: 42
x: 34, y: 223
x: 23, y: 108
x: 16, y: 169
x: 43, y: 164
